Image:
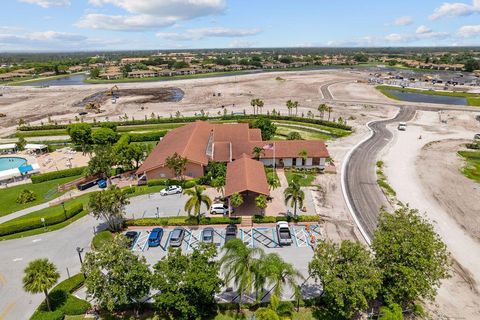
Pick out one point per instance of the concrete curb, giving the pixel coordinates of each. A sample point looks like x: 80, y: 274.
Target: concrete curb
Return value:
x: 344, y: 177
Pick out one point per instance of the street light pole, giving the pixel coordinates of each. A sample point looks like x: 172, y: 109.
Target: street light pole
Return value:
x: 79, y: 251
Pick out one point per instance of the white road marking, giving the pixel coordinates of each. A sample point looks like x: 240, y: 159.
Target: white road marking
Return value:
x: 17, y: 259
x: 36, y: 240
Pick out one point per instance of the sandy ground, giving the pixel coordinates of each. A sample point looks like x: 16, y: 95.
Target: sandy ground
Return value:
x: 35, y: 105
x: 416, y: 176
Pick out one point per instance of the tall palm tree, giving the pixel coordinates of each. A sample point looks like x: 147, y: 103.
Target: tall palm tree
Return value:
x: 240, y: 263
x: 273, y: 182
x: 260, y: 105
x: 197, y: 198
x: 280, y: 274
x: 40, y: 276
x: 304, y: 155
x: 294, y: 195
x: 295, y: 105
x: 257, y: 152
x: 253, y: 103
x: 329, y: 110
x: 289, y: 106
x: 322, y: 108
x: 261, y: 203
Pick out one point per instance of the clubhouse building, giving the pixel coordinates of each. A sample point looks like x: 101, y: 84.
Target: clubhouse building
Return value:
x: 201, y: 142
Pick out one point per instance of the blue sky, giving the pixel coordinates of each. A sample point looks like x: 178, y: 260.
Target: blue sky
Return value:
x: 59, y: 25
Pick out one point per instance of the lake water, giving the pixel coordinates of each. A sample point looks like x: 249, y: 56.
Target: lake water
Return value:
x: 76, y: 79
x: 427, y: 98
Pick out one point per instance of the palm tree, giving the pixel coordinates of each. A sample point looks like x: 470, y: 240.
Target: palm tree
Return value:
x: 322, y: 108
x: 294, y: 194
x: 219, y: 184
x: 329, y: 110
x: 257, y: 152
x: 260, y: 105
x: 273, y: 182
x: 197, y: 198
x: 289, y: 106
x: 236, y: 200
x: 261, y: 202
x: 40, y: 276
x: 295, y: 105
x: 280, y: 274
x: 240, y: 263
x: 304, y: 155
x: 253, y: 103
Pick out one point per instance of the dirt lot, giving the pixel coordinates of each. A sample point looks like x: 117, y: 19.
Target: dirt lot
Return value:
x: 36, y: 104
x: 456, y: 194
x: 426, y: 176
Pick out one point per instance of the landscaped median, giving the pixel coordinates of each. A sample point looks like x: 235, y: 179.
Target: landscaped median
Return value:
x: 63, y: 301
x: 190, y: 221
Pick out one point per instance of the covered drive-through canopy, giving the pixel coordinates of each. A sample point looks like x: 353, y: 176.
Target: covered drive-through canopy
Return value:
x: 245, y: 174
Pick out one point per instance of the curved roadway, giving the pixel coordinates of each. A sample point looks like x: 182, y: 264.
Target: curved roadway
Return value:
x: 363, y: 194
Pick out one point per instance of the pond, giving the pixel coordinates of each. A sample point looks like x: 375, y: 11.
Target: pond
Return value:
x: 427, y: 98
x: 76, y: 79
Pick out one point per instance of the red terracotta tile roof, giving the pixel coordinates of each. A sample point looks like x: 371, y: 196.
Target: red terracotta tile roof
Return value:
x: 221, y: 151
x: 245, y: 174
x: 291, y: 148
x: 255, y: 134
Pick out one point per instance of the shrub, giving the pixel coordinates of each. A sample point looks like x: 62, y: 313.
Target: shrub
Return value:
x: 71, y: 284
x: 47, y: 315
x: 149, y: 136
x: 57, y: 174
x: 157, y: 182
x: 16, y: 226
x: 26, y: 196
x: 75, y: 306
x: 189, y: 184
x: 180, y: 221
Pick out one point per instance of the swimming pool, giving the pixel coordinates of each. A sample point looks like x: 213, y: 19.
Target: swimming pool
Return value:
x: 7, y: 163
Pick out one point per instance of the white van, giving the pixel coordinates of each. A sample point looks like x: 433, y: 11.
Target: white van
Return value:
x: 402, y: 126
x: 219, y: 208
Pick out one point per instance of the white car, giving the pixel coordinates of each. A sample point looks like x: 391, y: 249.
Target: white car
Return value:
x: 219, y: 208
x: 171, y: 190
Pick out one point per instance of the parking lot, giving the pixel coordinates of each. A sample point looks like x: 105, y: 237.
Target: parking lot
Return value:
x: 303, y: 236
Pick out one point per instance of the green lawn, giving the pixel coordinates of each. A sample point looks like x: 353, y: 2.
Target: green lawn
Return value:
x: 305, y: 178
x: 101, y: 238
x: 45, y: 191
x: 333, y: 131
x: 473, y: 99
x: 472, y: 166
x: 305, y: 133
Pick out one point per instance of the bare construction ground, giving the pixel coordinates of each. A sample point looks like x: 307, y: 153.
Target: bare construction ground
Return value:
x: 425, y: 174
x: 439, y: 171
x: 212, y: 95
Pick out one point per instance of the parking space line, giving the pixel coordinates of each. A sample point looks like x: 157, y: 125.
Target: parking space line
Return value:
x: 222, y: 237
x: 168, y: 240
x: 141, y: 241
x: 195, y: 236
x: 7, y: 310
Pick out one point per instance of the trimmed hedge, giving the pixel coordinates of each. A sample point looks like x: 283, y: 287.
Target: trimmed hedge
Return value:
x: 38, y: 178
x: 270, y: 219
x: 180, y: 221
x: 168, y: 182
x: 157, y: 182
x: 192, y: 119
x: 15, y: 226
x: 63, y: 301
x: 148, y: 136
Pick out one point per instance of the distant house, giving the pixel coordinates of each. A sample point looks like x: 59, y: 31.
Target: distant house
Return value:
x: 133, y: 60
x: 143, y: 74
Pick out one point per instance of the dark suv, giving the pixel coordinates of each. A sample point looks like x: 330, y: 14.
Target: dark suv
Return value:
x: 230, y: 232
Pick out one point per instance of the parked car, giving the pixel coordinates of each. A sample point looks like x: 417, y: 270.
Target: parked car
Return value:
x: 219, y: 208
x: 402, y: 126
x: 131, y: 236
x: 171, y: 190
x: 283, y: 233
x: 230, y: 232
x: 176, y: 238
x: 155, y: 237
x: 102, y: 183
x: 207, y: 235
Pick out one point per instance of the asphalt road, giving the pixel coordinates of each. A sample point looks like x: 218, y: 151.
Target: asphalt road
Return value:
x: 365, y: 196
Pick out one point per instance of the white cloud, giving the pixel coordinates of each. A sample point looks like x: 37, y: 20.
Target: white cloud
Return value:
x: 198, y: 34
x: 469, y: 31
x: 149, y: 14
x: 455, y: 9
x: 48, y: 3
x: 423, y: 30
x: 403, y: 21
x: 241, y: 44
